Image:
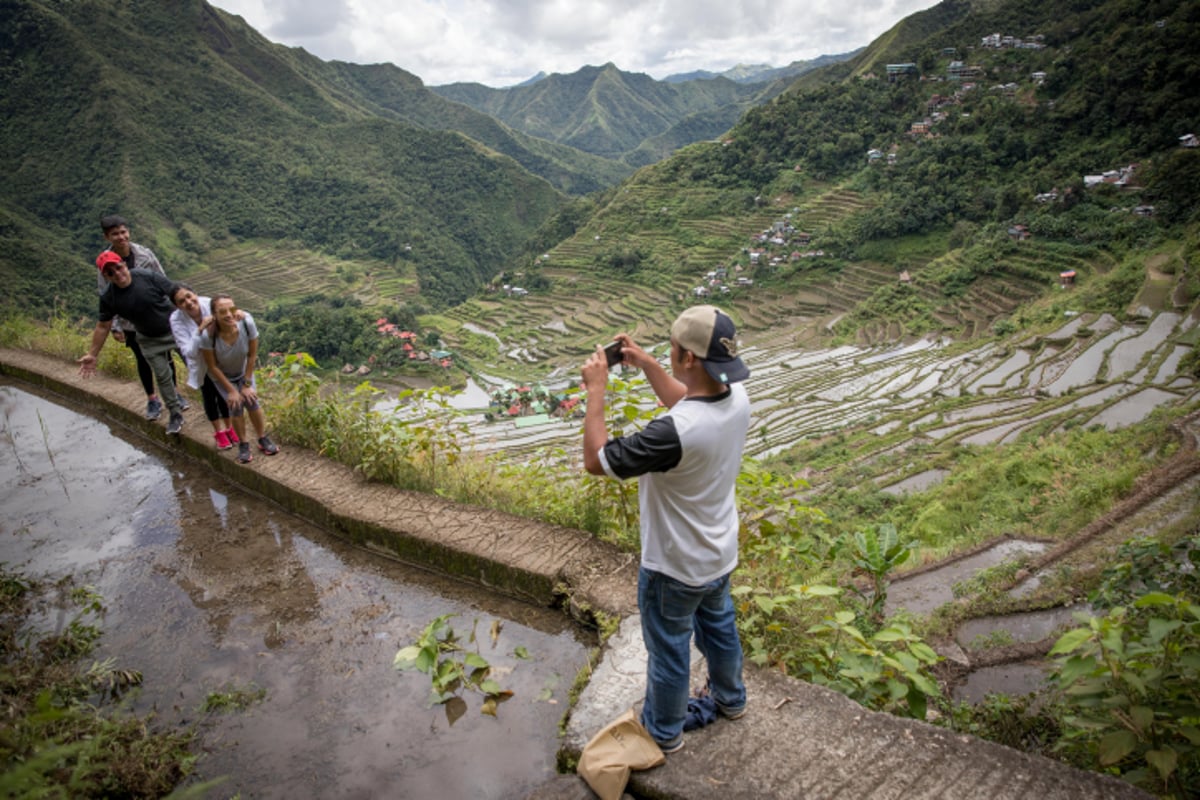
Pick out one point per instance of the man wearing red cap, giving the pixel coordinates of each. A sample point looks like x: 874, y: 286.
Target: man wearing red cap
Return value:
x: 144, y: 299
x: 686, y: 462
x: 136, y: 256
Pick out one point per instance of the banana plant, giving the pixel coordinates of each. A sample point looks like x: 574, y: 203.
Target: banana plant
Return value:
x: 878, y: 552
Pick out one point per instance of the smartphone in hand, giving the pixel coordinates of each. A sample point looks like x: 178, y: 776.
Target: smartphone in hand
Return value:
x: 612, y: 353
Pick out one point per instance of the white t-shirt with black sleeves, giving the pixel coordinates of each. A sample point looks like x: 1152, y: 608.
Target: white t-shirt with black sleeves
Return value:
x: 687, y: 462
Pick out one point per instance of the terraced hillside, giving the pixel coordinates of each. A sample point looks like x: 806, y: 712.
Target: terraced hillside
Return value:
x: 1092, y: 370
x: 892, y: 386
x: 257, y: 276
x: 587, y: 302
x: 797, y: 289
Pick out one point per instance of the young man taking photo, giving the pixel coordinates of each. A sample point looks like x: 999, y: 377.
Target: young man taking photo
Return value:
x: 687, y: 462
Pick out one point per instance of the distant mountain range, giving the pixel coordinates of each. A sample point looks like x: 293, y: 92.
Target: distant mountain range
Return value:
x: 763, y: 73
x: 611, y: 113
x: 629, y: 116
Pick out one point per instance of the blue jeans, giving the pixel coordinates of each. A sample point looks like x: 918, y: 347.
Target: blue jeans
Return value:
x: 671, y: 613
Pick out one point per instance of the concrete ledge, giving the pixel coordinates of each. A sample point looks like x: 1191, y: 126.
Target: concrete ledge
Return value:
x: 798, y: 740
x: 540, y: 563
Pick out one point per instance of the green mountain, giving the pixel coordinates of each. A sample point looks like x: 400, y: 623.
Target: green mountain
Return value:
x: 205, y: 134
x: 611, y: 113
x: 259, y: 167
x: 944, y: 199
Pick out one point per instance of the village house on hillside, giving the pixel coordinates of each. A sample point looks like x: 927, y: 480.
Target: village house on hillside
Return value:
x: 896, y: 72
x: 921, y: 127
x: 998, y: 41
x: 1115, y: 177
x: 960, y: 71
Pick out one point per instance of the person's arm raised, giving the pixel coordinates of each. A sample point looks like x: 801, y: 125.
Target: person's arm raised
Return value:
x: 666, y: 387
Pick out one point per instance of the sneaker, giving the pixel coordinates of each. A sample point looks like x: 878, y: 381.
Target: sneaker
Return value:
x: 233, y: 437
x: 184, y: 405
x: 267, y: 446
x: 223, y: 442
x: 153, y: 408
x: 727, y: 713
x: 673, y: 746
x: 244, y: 456
x: 175, y: 423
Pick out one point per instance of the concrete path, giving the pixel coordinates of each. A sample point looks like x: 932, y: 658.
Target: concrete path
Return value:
x: 797, y: 741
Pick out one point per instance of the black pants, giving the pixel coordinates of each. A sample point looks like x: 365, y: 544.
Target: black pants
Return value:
x: 215, y: 407
x: 145, y: 374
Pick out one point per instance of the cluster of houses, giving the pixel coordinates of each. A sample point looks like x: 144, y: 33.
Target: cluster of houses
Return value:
x: 532, y: 401
x: 782, y: 242
x: 1122, y: 176
x: 779, y: 244
x: 443, y: 358
x: 509, y: 289
x: 717, y: 281
x: 998, y: 41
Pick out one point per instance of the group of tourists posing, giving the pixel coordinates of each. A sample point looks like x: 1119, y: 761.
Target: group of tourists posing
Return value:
x: 153, y: 317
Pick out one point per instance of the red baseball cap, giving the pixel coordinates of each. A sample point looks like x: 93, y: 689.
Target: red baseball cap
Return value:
x: 108, y: 257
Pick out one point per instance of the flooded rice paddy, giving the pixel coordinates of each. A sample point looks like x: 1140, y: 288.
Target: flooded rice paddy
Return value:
x: 208, y: 588
x: 1091, y: 370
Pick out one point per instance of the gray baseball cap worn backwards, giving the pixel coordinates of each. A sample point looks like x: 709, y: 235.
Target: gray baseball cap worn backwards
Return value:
x: 709, y: 333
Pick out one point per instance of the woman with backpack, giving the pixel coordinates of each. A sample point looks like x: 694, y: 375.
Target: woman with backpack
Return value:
x: 229, y: 346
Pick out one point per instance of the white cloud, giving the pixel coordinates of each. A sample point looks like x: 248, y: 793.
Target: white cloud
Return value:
x: 502, y: 42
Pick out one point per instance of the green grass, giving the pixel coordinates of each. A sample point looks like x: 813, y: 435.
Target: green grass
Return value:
x: 65, y: 733
x: 232, y: 698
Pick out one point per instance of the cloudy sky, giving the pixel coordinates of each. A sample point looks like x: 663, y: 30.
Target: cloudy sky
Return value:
x: 503, y: 42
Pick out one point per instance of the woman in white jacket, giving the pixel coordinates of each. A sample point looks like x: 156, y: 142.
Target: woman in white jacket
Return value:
x: 192, y: 313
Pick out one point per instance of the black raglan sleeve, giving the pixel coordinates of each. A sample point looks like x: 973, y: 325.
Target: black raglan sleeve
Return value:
x: 656, y: 448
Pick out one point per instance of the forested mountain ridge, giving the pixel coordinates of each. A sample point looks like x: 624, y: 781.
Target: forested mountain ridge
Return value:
x: 609, y: 112
x: 201, y: 131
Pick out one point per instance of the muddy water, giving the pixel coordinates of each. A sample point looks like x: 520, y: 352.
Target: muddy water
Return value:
x: 917, y: 483
x: 1015, y: 680
x: 927, y: 591
x: 207, y: 587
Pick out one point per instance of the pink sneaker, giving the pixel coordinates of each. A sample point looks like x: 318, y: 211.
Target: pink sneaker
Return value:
x: 233, y: 437
x: 222, y: 438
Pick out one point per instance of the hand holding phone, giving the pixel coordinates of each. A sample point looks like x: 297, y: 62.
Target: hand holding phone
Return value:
x: 612, y: 353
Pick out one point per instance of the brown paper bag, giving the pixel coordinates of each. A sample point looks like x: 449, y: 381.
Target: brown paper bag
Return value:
x: 620, y: 747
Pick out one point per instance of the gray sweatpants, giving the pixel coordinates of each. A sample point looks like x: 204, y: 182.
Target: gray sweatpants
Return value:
x: 157, y: 350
